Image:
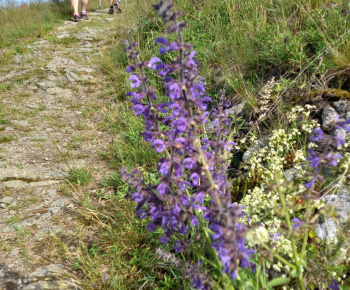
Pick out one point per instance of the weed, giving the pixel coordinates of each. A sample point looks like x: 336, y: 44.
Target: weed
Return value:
x: 80, y: 176
x: 6, y: 86
x: 6, y: 139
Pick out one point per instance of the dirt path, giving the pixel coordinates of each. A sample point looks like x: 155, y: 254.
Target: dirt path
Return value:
x: 50, y: 123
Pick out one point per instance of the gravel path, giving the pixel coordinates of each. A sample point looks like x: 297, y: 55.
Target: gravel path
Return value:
x: 50, y: 122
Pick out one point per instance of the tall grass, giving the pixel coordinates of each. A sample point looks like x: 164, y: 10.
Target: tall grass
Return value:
x: 241, y: 44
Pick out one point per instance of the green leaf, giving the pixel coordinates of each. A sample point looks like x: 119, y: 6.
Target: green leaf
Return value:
x: 278, y: 281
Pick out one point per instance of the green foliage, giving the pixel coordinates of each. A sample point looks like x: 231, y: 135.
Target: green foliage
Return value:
x: 79, y: 176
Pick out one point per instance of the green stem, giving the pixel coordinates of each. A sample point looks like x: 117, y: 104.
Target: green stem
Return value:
x: 297, y: 259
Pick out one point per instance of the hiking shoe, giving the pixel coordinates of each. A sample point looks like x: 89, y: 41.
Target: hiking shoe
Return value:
x: 116, y: 4
x: 83, y: 15
x: 76, y: 18
x: 111, y: 10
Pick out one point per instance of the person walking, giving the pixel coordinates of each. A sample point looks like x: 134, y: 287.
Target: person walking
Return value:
x: 83, y: 15
x: 111, y: 6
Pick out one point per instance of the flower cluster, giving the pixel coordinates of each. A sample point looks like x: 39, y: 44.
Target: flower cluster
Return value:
x: 191, y: 167
x: 318, y: 160
x: 268, y: 160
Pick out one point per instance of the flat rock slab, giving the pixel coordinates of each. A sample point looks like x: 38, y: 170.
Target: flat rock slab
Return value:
x: 328, y: 230
x: 29, y: 174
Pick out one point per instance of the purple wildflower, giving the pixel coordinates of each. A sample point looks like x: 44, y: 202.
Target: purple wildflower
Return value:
x: 318, y: 135
x: 297, y: 223
x: 334, y: 285
x: 181, y: 125
x: 135, y: 81
x: 159, y: 145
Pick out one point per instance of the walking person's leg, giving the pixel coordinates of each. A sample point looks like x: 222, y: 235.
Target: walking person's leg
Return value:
x: 75, y: 5
x: 84, y: 4
x: 111, y: 8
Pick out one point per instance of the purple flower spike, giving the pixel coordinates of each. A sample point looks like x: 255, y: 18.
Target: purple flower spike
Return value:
x: 161, y: 40
x: 139, y: 109
x: 314, y: 159
x: 230, y: 143
x: 188, y: 163
x: 338, y: 140
x: 334, y: 285
x: 174, y: 90
x: 311, y: 183
x: 319, y: 135
x: 159, y: 145
x: 164, y: 240
x: 162, y: 188
x: 194, y: 169
x: 202, y: 103
x: 332, y: 159
x: 275, y: 237
x: 152, y: 62
x: 164, y: 167
x: 297, y: 223
x: 135, y: 81
x: 181, y: 125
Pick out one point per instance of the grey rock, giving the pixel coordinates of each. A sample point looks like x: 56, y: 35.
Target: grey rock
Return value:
x: 15, y: 184
x: 2, y: 273
x: 49, y: 271
x: 6, y: 200
x: 22, y: 123
x: 328, y: 116
x: 55, y: 210
x: 290, y: 174
x: 17, y: 59
x: 8, y: 229
x: 237, y: 109
x: 60, y: 202
x: 33, y: 88
x: 44, y: 85
x: 62, y: 34
x: 347, y: 116
x: 11, y: 75
x: 43, y: 183
x: 46, y: 216
x: 59, y: 92
x: 52, y: 193
x: 88, y: 69
x: 2, y: 205
x: 14, y: 253
x: 87, y: 34
x: 339, y: 131
x: 46, y: 285
x: 328, y: 229
x: 49, y: 230
x: 28, y: 222
x: 341, y: 106
x: 32, y: 106
x: 72, y: 77
x: 88, y: 44
x: 52, y: 67
x: 86, y: 78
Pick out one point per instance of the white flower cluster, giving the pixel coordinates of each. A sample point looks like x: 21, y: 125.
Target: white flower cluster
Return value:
x: 299, y: 111
x: 262, y: 204
x: 265, y: 95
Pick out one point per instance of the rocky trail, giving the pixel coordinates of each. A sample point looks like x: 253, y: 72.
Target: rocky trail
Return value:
x: 50, y: 125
